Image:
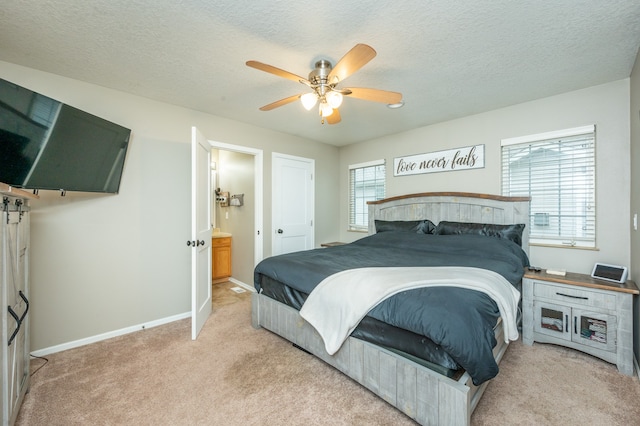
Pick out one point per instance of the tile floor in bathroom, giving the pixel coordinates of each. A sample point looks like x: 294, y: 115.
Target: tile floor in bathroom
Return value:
x: 226, y: 293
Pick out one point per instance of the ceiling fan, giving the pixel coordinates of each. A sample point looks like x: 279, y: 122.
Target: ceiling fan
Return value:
x: 323, y: 81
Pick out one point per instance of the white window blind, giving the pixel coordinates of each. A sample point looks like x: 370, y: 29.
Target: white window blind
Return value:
x: 557, y: 170
x: 366, y: 183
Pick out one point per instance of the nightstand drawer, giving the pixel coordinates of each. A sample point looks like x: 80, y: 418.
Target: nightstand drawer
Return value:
x: 570, y: 294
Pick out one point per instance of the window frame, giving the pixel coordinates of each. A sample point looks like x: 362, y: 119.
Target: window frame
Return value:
x: 565, y: 219
x: 353, y: 223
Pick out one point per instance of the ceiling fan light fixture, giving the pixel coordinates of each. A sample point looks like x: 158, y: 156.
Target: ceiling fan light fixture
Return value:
x: 323, y: 81
x: 325, y: 109
x: 334, y: 99
x: 309, y: 100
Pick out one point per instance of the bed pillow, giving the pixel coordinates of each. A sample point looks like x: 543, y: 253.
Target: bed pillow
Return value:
x: 415, y: 226
x: 509, y: 232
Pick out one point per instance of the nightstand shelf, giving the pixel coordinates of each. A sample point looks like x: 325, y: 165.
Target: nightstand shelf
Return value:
x: 580, y: 312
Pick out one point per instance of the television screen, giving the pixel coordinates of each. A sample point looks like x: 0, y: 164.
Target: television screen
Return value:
x: 45, y: 144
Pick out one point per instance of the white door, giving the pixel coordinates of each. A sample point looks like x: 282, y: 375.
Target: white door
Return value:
x: 293, y: 203
x: 200, y: 242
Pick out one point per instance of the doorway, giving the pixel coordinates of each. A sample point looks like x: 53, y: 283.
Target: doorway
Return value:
x: 238, y: 175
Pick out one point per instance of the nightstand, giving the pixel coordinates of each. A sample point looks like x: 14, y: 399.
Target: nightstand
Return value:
x: 332, y: 244
x: 580, y: 312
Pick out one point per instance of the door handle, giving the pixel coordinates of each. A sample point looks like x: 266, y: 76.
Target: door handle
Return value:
x: 571, y: 296
x: 19, y: 320
x: 280, y: 231
x: 18, y: 324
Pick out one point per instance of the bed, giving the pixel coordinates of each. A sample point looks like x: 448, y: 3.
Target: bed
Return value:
x: 425, y: 376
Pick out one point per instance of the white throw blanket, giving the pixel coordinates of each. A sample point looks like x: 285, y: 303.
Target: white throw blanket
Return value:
x: 338, y: 304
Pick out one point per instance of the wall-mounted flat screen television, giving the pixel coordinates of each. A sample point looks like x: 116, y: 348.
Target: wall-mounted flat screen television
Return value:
x: 46, y: 144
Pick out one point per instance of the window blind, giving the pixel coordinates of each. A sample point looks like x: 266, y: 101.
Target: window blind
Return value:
x: 366, y: 183
x: 44, y: 110
x: 557, y: 170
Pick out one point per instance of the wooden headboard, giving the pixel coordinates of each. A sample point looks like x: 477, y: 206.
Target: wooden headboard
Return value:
x: 454, y: 206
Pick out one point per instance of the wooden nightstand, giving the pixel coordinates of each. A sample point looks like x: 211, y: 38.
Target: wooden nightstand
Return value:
x: 332, y: 244
x: 580, y: 312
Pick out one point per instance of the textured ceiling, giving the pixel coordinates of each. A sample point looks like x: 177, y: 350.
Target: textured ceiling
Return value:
x: 448, y: 59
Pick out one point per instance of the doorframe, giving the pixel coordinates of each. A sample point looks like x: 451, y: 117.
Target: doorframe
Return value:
x: 258, y: 165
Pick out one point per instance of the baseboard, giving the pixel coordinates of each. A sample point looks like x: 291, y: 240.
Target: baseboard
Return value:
x: 243, y: 285
x: 127, y: 330
x: 109, y: 335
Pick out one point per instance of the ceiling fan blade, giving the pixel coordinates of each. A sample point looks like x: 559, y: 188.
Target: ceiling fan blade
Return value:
x: 277, y: 71
x: 355, y: 59
x: 280, y: 103
x: 375, y: 95
x: 334, y: 118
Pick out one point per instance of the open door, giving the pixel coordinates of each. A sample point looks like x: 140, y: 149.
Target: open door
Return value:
x: 200, y: 242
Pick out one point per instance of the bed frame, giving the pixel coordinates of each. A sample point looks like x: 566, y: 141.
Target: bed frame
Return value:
x: 422, y: 394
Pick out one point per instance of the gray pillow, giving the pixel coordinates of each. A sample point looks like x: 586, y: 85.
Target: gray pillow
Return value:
x: 415, y: 226
x: 508, y: 232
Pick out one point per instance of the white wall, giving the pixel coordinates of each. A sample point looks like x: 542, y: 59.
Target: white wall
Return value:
x: 606, y: 106
x: 102, y: 263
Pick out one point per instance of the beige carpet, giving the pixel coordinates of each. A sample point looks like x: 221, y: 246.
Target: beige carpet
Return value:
x: 234, y: 374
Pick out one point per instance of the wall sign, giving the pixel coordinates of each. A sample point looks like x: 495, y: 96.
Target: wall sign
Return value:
x: 470, y: 157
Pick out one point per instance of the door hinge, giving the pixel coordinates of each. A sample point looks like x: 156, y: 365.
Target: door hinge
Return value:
x: 19, y: 204
x: 5, y: 204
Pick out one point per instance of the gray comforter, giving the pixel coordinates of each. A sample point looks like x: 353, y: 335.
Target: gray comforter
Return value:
x: 461, y: 321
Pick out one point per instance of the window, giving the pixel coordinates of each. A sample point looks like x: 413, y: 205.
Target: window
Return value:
x: 366, y: 183
x: 557, y: 170
x: 44, y: 110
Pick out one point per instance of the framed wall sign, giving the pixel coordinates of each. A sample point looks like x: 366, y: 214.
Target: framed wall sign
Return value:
x: 470, y: 157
